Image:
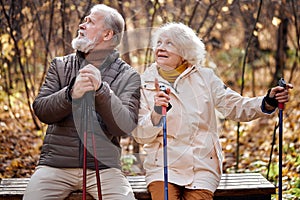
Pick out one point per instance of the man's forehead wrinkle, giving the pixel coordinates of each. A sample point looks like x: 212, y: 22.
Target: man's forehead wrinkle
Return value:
x: 96, y: 16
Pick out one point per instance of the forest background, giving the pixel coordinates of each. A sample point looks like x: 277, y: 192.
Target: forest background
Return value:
x: 250, y: 45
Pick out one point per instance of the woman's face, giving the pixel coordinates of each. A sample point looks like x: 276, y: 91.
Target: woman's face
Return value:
x: 166, y: 53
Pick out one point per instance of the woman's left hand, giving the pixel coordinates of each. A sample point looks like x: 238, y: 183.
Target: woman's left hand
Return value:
x: 281, y: 94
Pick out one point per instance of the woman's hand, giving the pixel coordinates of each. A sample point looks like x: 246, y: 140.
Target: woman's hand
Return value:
x: 277, y: 95
x: 281, y: 94
x: 161, y: 98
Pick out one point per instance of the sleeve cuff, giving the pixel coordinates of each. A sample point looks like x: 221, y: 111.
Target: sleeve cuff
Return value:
x: 158, y: 109
x: 263, y: 108
x: 68, y: 96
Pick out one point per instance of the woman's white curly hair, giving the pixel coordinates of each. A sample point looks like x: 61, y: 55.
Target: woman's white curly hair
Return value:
x: 190, y: 47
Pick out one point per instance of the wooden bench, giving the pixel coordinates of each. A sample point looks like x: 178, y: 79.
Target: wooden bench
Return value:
x: 243, y: 186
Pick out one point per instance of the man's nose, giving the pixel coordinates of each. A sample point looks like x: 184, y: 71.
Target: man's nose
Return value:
x: 82, y: 26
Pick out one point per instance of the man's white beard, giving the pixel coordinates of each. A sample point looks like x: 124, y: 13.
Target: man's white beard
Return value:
x: 84, y: 44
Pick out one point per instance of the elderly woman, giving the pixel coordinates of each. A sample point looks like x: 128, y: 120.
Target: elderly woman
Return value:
x: 193, y: 94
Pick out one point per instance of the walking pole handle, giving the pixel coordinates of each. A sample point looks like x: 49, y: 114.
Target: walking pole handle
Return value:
x: 281, y: 83
x: 164, y: 108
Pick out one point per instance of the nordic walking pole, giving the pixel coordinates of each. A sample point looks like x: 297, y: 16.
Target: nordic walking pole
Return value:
x: 164, y: 117
x: 84, y: 121
x: 88, y: 117
x: 281, y: 83
x: 84, y: 167
x: 164, y: 112
x: 97, y: 169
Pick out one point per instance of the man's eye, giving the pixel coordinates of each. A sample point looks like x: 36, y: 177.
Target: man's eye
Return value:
x: 87, y: 20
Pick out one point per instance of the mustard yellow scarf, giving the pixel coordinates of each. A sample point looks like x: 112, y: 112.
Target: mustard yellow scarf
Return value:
x: 171, y: 75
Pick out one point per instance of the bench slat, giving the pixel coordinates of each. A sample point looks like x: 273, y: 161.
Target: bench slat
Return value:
x: 231, y: 185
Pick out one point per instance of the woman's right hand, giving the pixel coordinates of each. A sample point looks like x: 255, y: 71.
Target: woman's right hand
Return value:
x: 161, y: 98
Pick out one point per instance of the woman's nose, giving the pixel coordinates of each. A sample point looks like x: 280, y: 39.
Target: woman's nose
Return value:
x: 161, y: 47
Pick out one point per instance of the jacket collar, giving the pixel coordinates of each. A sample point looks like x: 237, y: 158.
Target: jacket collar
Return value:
x: 104, y: 57
x: 151, y: 73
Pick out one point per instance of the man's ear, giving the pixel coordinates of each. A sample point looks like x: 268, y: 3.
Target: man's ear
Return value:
x: 108, y: 35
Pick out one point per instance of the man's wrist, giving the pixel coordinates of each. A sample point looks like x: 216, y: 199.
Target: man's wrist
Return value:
x: 100, y: 86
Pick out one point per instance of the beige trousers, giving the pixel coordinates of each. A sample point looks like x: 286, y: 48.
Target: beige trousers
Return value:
x: 49, y: 183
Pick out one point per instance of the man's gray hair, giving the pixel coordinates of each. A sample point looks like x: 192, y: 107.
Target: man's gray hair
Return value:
x: 189, y: 45
x: 113, y: 20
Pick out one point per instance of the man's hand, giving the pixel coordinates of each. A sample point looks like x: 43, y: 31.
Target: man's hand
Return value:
x: 89, y: 79
x: 91, y: 72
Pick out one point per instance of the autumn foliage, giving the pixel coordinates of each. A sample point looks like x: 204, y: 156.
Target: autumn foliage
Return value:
x: 250, y: 45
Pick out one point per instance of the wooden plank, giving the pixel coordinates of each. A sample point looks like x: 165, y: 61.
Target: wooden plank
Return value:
x: 246, y: 183
x: 231, y: 186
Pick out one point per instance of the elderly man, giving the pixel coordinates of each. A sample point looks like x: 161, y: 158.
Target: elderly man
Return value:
x: 91, y: 95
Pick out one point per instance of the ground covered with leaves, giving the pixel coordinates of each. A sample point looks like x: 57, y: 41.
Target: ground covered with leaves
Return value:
x: 21, y: 143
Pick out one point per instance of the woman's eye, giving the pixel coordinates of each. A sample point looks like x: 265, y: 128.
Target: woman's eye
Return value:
x: 158, y: 43
x: 170, y: 43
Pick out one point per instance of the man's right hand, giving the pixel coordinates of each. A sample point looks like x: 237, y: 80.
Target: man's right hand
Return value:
x: 89, y: 79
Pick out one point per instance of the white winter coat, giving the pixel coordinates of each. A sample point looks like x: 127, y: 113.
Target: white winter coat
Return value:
x: 194, y: 151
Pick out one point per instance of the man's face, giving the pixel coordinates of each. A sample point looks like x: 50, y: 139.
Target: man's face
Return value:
x: 90, y: 32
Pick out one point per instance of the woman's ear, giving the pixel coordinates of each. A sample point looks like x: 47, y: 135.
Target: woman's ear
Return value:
x: 108, y: 35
